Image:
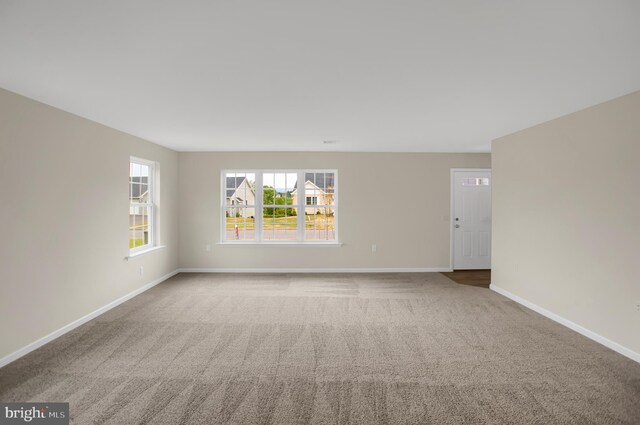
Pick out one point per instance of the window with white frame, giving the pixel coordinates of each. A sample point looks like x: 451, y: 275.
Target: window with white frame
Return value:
x: 141, y: 204
x: 279, y: 206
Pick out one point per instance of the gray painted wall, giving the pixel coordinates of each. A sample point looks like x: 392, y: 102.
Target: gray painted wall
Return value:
x: 64, y: 218
x: 566, y: 205
x: 398, y: 201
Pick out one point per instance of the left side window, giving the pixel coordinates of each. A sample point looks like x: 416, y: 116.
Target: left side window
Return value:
x: 141, y: 204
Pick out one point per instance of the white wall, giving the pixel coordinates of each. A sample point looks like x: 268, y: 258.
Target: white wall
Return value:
x: 566, y: 218
x: 374, y: 190
x: 64, y: 218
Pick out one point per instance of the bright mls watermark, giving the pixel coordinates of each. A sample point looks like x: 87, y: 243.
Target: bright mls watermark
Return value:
x: 34, y: 413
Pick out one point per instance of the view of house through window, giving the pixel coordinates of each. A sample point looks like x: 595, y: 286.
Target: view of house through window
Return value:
x: 273, y: 206
x: 240, y: 206
x: 141, y: 207
x: 319, y: 223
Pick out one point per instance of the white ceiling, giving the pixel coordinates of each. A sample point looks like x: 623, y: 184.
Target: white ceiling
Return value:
x: 416, y: 76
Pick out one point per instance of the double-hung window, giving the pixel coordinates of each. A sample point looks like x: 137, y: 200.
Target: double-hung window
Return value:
x: 281, y: 206
x: 142, y: 209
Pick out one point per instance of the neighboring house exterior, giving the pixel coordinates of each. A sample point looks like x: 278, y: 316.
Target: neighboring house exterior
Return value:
x: 139, y: 192
x: 314, y: 196
x: 138, y: 220
x: 240, y: 193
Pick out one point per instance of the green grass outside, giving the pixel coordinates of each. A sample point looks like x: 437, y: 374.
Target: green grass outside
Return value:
x: 282, y: 223
x: 135, y: 242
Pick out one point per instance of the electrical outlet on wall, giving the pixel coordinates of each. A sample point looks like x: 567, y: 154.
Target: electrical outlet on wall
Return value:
x: 207, y: 248
x: 374, y: 248
x: 141, y: 270
x: 637, y: 305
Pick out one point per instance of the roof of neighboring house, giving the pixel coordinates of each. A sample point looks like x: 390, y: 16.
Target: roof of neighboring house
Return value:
x: 315, y: 188
x: 137, y: 190
x: 322, y: 180
x: 233, y: 183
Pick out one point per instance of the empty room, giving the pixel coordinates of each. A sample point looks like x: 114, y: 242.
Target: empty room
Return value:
x: 338, y: 212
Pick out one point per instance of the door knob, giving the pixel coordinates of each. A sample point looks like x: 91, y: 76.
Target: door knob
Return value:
x: 457, y: 225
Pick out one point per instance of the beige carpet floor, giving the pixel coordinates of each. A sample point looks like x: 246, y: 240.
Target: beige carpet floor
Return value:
x: 326, y: 349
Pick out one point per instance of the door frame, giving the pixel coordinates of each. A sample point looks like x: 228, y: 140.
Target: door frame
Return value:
x: 452, y: 206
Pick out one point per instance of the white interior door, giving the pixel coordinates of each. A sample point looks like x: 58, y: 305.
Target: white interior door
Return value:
x: 471, y: 219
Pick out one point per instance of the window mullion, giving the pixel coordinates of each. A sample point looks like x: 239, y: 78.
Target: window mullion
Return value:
x: 223, y: 206
x: 301, y: 202
x: 152, y: 193
x: 257, y: 227
x: 336, y: 186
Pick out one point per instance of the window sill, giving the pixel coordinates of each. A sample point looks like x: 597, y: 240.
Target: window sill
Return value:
x: 284, y: 244
x: 146, y: 251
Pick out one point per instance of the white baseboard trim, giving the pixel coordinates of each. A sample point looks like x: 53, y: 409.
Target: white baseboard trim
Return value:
x: 63, y: 330
x: 314, y: 270
x: 569, y: 324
